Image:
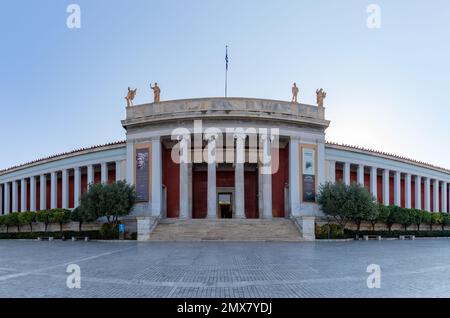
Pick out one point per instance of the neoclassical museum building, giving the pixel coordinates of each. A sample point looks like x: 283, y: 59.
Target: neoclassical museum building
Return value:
x: 223, y: 158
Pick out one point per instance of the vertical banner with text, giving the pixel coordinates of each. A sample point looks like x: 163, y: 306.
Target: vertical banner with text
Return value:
x: 142, y: 172
x: 308, y: 174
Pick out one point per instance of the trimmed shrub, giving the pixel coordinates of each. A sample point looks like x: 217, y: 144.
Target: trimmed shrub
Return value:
x: 329, y: 231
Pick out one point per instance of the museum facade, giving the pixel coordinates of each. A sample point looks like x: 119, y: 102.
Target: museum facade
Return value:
x: 219, y: 158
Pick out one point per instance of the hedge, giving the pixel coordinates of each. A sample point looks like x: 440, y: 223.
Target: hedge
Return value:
x: 95, y: 235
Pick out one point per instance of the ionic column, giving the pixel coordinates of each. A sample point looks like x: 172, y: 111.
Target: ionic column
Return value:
x: 118, y: 171
x: 239, y: 176
x: 427, y: 194
x: 266, y: 174
x: 397, y: 189
x: 408, y: 198
x: 23, y: 195
x: 90, y: 175
x: 347, y: 173
x: 444, y: 197
x: 212, y: 194
x: 33, y: 193
x: 104, y: 172
x: 418, y: 192
x: 386, y: 187
x: 332, y: 172
x: 65, y: 189
x: 1, y: 199
x: 53, y: 190
x: 77, y: 186
x: 374, y: 182
x: 436, y: 195
x: 156, y: 178
x: 184, y: 176
x: 15, y: 196
x: 360, y: 174
x: 294, y: 177
x: 43, y: 192
x: 6, y: 196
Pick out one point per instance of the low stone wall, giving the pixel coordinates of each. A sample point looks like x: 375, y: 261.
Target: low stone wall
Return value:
x: 54, y: 227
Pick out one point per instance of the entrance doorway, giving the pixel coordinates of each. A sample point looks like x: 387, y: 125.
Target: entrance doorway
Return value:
x: 225, y: 205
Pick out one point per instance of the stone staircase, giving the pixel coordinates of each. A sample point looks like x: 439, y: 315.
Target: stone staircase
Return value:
x: 278, y: 229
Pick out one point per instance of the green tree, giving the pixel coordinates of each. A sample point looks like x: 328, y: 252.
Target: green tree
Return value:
x: 44, y: 216
x: 433, y: 219
x: 439, y: 219
x: 419, y: 217
x: 381, y: 217
x: 109, y: 200
x: 60, y: 216
x: 404, y: 217
x: 332, y: 199
x: 360, y: 204
x: 426, y: 218
x: 4, y: 221
x: 14, y: 220
x: 393, y: 216
x: 29, y: 218
x: 445, y: 220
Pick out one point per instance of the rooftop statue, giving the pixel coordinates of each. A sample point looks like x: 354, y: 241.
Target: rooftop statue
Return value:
x: 294, y: 93
x: 130, y: 96
x: 156, y: 93
x: 321, y: 94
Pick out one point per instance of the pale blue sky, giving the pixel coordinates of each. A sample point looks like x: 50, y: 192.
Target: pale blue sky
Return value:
x: 62, y: 89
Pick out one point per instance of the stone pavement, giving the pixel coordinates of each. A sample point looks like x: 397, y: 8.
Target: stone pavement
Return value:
x: 418, y: 268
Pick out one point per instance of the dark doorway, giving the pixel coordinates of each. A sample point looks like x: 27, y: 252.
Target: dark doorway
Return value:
x: 225, y: 205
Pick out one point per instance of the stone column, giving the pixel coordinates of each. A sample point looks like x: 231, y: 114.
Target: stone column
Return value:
x: 332, y: 173
x: 386, y: 187
x: 321, y: 178
x: 43, y: 192
x: 266, y: 176
x: 33, y: 193
x: 130, y: 163
x: 156, y: 178
x: 212, y: 192
x: 374, y: 182
x: 104, y: 172
x: 444, y: 197
x: 418, y: 192
x: 408, y: 191
x: 53, y: 190
x: 118, y: 171
x: 427, y: 194
x: 397, y: 189
x: 65, y: 189
x: 23, y: 195
x: 184, y: 176
x: 347, y: 173
x: 77, y: 186
x: 294, y: 177
x: 239, y: 187
x: 436, y: 195
x: 1, y: 199
x: 90, y: 175
x: 7, y: 204
x: 15, y: 196
x: 360, y: 173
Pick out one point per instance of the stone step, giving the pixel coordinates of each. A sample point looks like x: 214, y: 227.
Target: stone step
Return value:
x: 278, y: 229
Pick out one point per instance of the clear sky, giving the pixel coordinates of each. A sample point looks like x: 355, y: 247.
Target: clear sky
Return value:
x: 62, y: 89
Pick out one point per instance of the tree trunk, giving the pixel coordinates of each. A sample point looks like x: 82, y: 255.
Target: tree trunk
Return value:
x: 60, y: 227
x: 31, y: 227
x: 418, y: 227
x: 45, y: 228
x: 373, y: 227
x: 358, y: 225
x: 79, y: 226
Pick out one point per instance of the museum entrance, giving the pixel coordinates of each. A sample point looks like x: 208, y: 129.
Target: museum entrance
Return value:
x: 225, y: 205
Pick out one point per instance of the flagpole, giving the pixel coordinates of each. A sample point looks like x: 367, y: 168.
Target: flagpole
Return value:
x: 226, y: 70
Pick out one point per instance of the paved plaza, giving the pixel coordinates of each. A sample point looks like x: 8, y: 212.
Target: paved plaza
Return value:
x: 418, y: 268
